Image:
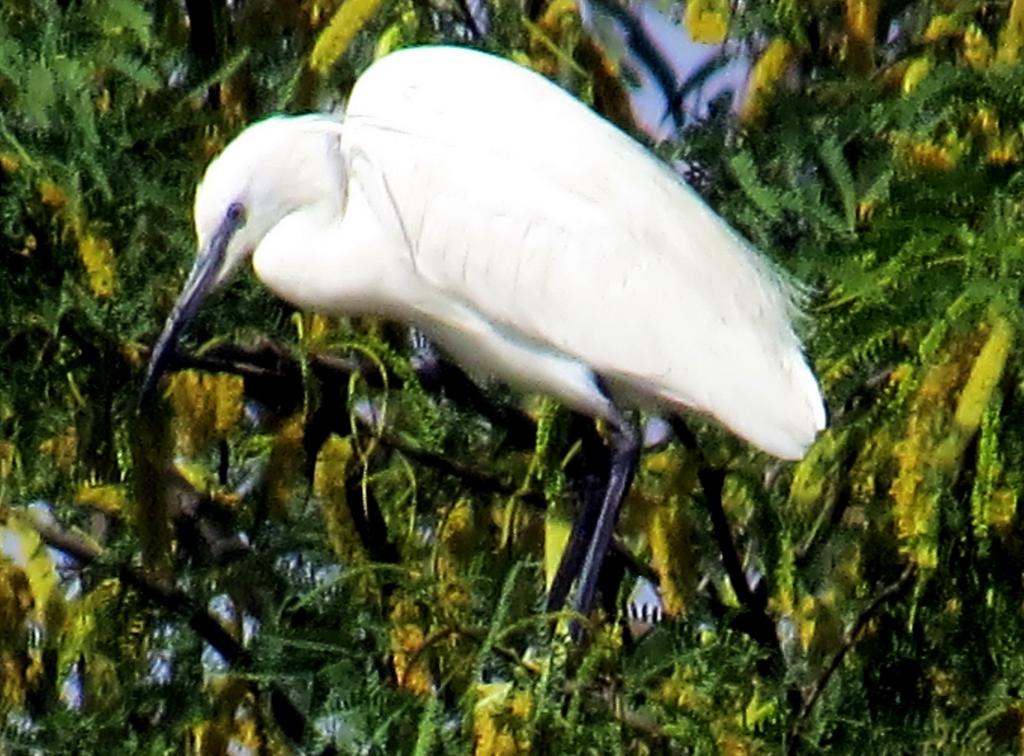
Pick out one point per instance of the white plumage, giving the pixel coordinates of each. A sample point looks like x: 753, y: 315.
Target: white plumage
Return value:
x: 532, y: 239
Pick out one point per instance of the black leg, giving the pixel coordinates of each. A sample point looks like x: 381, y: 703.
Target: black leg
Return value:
x: 572, y: 558
x: 587, y: 473
x: 594, y: 525
x: 625, y: 454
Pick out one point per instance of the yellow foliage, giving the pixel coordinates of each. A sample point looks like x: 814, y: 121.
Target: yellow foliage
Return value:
x: 207, y: 406
x: 97, y: 256
x: 977, y: 49
x: 663, y: 462
x: 329, y: 487
x: 553, y: 40
x: 861, y: 19
x: 683, y: 691
x: 1004, y: 150
x: 316, y: 10
x: 805, y: 621
x: 23, y: 543
x: 1011, y: 37
x: 824, y: 636
x: 101, y: 684
x: 926, y: 452
x: 79, y: 626
x: 391, y: 38
x: 783, y: 600
x: 102, y: 101
x: 759, y: 711
x: 407, y: 640
x: 708, y: 20
x: 12, y: 680
x: 285, y: 464
x: 317, y: 329
x: 458, y: 540
x: 15, y: 601
x: 500, y: 719
x: 63, y: 449
x: 1002, y: 508
x: 234, y: 727
x: 557, y: 526
x: 458, y: 531
x: 8, y: 455
x: 925, y: 153
x: 228, y: 396
x: 334, y: 40
x: 673, y: 557
x: 814, y: 475
x: 765, y: 77
x: 915, y: 73
x: 9, y: 163
x: 559, y: 15
x: 30, y: 245
x: 732, y: 743
x: 984, y: 376
x: 132, y: 351
x: 942, y: 26
x: 943, y: 683
x: 51, y: 194
x: 210, y: 738
x: 865, y: 211
x: 188, y: 400
x: 985, y: 121
x: 110, y: 499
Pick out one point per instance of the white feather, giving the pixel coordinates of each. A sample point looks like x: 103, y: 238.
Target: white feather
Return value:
x: 531, y: 238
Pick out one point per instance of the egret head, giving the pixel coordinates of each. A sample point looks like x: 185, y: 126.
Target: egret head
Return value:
x: 271, y: 169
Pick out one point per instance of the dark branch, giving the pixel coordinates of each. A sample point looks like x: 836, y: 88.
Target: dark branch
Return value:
x: 754, y: 621
x: 647, y: 52
x: 159, y: 592
x: 850, y: 638
x: 271, y: 366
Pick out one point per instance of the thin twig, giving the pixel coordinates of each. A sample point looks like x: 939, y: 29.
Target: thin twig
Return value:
x: 482, y: 483
x: 755, y: 621
x: 159, y: 592
x: 646, y: 50
x: 850, y: 639
x: 268, y: 360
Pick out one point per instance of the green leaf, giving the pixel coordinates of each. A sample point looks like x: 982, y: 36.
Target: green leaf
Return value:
x: 842, y: 178
x: 40, y: 94
x: 765, y: 198
x: 116, y: 17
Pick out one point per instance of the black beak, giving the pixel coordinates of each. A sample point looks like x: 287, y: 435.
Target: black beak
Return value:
x: 200, y: 282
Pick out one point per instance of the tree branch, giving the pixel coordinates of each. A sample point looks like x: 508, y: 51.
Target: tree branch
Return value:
x: 291, y: 721
x: 850, y: 639
x: 646, y: 50
x: 270, y: 363
x: 754, y: 621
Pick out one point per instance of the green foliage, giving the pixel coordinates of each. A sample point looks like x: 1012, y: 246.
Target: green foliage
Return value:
x: 323, y: 553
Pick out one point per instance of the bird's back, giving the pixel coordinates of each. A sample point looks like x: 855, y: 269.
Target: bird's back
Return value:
x: 565, y: 233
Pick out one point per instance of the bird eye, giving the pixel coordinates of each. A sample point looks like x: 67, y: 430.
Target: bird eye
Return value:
x: 236, y: 214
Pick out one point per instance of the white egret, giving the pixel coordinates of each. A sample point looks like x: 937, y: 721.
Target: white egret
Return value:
x: 531, y: 239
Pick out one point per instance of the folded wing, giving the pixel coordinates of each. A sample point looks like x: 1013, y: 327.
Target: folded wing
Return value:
x: 567, y: 234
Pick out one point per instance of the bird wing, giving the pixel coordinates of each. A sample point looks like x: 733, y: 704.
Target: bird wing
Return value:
x: 523, y: 205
